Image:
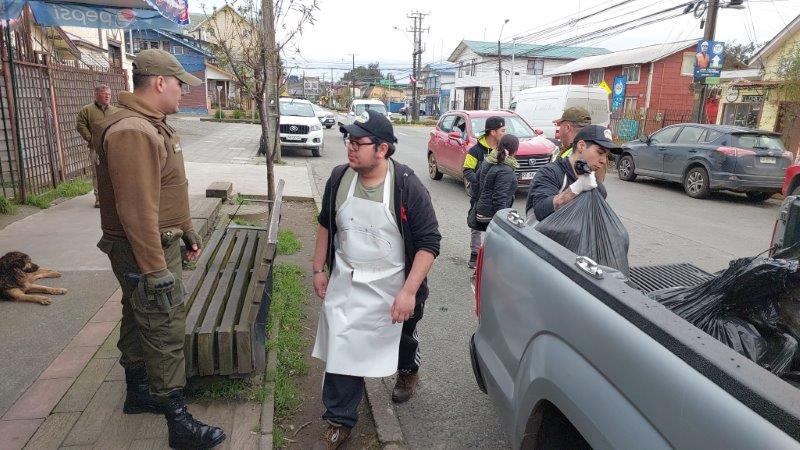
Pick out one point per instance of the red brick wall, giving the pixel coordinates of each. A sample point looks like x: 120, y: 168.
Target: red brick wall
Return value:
x: 195, y: 100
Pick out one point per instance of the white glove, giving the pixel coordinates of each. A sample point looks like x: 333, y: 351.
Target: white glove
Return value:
x: 585, y: 182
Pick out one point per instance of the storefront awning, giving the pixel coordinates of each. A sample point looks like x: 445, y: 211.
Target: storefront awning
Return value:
x: 125, y: 14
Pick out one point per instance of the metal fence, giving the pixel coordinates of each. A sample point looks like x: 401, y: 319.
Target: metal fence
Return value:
x: 38, y: 109
x: 629, y: 125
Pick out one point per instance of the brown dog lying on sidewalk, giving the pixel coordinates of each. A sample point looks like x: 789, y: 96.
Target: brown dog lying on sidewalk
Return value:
x: 17, y: 274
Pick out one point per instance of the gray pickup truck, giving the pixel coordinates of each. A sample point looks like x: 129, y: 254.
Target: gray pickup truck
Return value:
x: 573, y: 357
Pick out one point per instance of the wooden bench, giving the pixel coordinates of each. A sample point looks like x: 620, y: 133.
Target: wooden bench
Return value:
x: 228, y: 296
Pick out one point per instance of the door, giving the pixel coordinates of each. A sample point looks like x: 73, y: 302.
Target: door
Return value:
x: 676, y: 155
x: 440, y: 141
x: 650, y: 156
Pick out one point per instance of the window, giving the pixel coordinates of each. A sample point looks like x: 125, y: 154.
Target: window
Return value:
x: 185, y: 88
x: 689, y: 135
x: 446, y: 124
x: 115, y: 55
x: 664, y: 136
x: 460, y: 125
x: 687, y: 66
x: 758, y: 141
x: 137, y: 45
x: 711, y: 135
x: 461, y: 69
x: 563, y: 79
x: 535, y: 67
x: 177, y: 50
x: 630, y: 104
x: 596, y: 76
x: 514, y: 125
x: 633, y: 74
x: 473, y: 67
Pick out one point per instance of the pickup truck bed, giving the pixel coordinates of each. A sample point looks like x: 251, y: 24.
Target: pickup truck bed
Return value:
x: 621, y: 369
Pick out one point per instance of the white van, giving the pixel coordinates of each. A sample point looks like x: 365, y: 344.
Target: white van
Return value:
x: 360, y: 105
x: 541, y: 106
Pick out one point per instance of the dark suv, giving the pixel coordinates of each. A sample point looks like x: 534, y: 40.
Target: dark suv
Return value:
x: 707, y: 158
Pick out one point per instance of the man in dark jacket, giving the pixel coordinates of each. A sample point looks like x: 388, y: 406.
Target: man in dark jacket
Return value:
x: 495, y: 129
x: 557, y: 183
x: 378, y: 236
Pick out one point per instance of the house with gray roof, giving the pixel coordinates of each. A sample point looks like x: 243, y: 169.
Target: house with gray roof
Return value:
x: 477, y: 79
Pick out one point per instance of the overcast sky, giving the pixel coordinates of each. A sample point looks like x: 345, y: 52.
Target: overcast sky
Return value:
x: 367, y: 28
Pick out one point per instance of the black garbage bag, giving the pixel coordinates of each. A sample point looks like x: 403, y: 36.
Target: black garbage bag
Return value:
x: 589, y: 227
x: 742, y: 308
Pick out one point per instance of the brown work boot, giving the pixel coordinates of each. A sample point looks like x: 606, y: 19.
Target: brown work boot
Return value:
x: 404, y: 387
x: 333, y: 437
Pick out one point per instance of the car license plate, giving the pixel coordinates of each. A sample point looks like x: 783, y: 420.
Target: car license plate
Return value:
x: 768, y: 160
x: 526, y: 175
x: 293, y: 138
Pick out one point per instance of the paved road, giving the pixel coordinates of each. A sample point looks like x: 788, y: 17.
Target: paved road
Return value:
x: 664, y: 225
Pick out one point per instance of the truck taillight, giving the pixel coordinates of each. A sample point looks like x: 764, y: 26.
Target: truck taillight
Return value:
x: 478, y: 268
x: 735, y: 152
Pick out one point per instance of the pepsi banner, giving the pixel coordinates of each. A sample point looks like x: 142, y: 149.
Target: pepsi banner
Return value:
x: 89, y: 16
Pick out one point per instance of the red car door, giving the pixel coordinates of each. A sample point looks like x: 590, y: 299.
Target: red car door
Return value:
x: 439, y: 143
x: 457, y: 149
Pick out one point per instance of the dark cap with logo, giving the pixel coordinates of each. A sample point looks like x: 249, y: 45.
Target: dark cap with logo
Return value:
x: 600, y: 135
x: 494, y: 123
x: 371, y: 123
x: 158, y: 62
x: 575, y: 114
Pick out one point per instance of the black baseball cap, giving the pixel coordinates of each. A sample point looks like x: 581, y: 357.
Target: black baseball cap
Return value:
x: 600, y: 135
x: 370, y: 123
x: 494, y: 123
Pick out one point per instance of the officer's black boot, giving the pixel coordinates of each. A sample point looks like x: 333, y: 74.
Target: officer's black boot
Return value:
x: 138, y: 399
x: 184, y: 431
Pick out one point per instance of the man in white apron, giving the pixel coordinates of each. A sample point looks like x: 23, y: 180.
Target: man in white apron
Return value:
x: 378, y: 237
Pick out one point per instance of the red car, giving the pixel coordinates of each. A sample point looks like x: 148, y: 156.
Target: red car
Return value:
x: 458, y: 131
x: 791, y: 184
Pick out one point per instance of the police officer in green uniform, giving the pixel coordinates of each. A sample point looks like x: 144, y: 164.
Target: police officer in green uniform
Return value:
x: 144, y: 210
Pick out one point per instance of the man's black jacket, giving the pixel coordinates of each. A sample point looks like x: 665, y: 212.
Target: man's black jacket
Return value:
x: 549, y: 182
x: 413, y: 210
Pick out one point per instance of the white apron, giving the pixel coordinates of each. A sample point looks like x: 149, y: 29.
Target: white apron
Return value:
x: 355, y: 335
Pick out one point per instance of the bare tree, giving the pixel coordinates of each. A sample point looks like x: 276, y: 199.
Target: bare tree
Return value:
x: 250, y: 38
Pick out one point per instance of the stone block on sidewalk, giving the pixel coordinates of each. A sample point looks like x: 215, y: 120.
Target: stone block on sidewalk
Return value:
x: 204, y: 208
x: 219, y: 189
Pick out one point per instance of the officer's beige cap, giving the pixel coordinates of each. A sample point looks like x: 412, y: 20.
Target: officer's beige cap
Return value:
x: 575, y: 114
x: 158, y: 62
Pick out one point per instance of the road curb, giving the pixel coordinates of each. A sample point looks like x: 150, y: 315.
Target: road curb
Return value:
x: 268, y: 405
x: 313, y: 186
x: 390, y: 434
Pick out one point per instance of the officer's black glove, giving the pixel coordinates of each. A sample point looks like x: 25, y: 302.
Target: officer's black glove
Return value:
x: 191, y: 238
x: 158, y: 288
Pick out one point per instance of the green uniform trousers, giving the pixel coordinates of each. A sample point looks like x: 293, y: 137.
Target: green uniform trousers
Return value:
x: 150, y: 334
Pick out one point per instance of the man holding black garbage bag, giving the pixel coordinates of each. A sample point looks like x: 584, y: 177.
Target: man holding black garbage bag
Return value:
x: 559, y: 182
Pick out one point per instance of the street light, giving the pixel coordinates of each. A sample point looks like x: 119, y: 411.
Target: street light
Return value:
x: 500, y: 63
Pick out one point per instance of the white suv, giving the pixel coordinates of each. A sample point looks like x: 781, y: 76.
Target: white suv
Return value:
x: 299, y: 126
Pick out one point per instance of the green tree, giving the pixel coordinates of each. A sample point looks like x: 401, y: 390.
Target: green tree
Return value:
x: 737, y: 55
x: 369, y: 74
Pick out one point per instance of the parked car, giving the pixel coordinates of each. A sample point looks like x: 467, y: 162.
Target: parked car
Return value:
x: 540, y: 106
x: 457, y: 131
x: 572, y: 357
x: 791, y: 184
x: 706, y: 158
x: 358, y: 106
x: 299, y: 126
x: 325, y: 117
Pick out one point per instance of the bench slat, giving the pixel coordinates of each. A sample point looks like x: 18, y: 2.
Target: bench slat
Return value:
x: 205, y: 291
x: 225, y: 336
x: 205, y: 331
x: 244, y: 345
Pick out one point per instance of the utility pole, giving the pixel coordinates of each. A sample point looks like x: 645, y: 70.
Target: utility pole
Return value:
x: 304, y: 84
x: 353, y: 79
x: 417, y: 17
x: 500, y: 63
x: 708, y: 35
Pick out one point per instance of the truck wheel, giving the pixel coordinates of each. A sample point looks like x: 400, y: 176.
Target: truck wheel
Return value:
x: 433, y: 168
x: 696, y: 183
x: 626, y: 168
x: 316, y: 152
x: 758, y: 197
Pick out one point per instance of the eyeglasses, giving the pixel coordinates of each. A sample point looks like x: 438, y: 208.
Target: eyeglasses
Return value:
x: 355, y: 145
